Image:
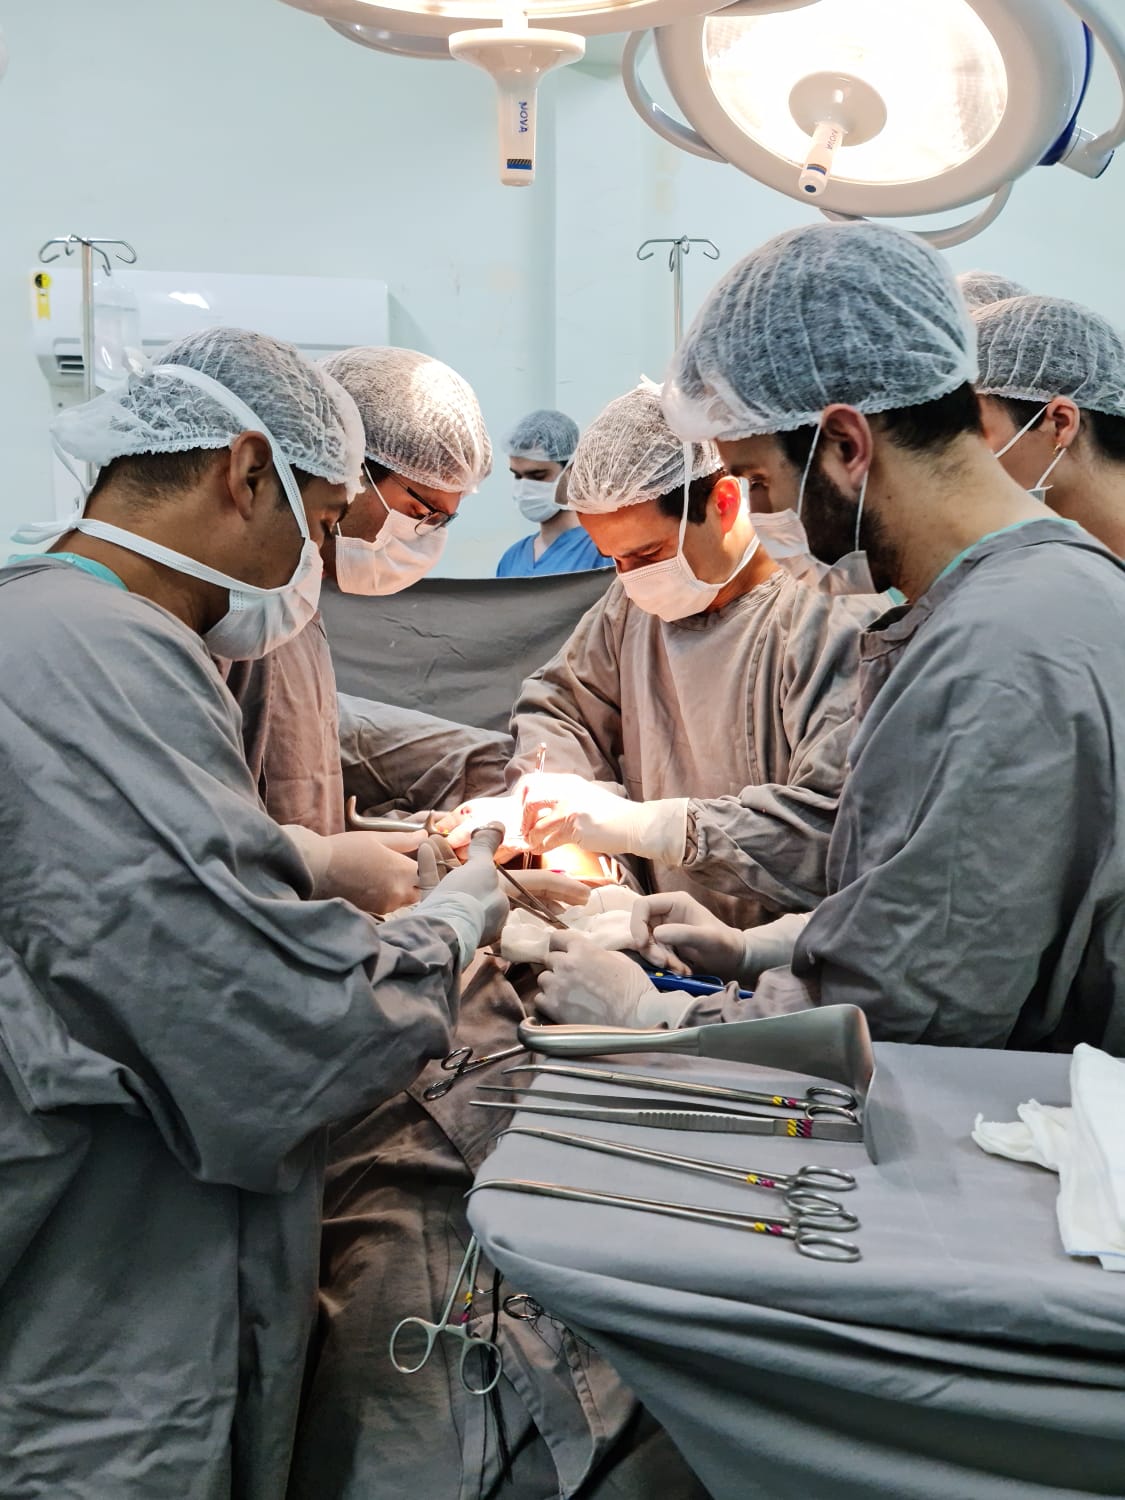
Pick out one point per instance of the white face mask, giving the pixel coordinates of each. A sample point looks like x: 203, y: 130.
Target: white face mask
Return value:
x: 784, y: 537
x: 536, y: 499
x: 398, y: 557
x: 1037, y: 491
x: 669, y: 589
x: 257, y: 619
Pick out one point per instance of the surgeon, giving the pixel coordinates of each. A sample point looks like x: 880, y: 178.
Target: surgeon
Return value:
x: 976, y: 875
x: 539, y: 449
x: 979, y: 288
x: 178, y: 1020
x: 1052, y: 394
x: 424, y: 446
x: 426, y: 449
x: 699, y: 716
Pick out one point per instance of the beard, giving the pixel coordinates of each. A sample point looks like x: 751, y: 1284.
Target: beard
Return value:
x: 829, y: 518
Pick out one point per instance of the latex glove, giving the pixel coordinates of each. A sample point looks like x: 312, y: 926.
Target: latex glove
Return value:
x: 554, y: 888
x: 674, y: 926
x: 587, y: 986
x: 363, y: 868
x: 470, y: 898
x: 459, y: 825
x: 560, y: 808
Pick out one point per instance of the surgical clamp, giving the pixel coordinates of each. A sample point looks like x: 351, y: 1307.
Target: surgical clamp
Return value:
x: 492, y: 1360
x: 807, y: 1234
x: 818, y: 1097
x: 798, y: 1187
x: 460, y: 1062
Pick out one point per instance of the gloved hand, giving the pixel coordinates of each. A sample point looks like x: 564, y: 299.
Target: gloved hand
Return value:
x: 673, y: 925
x: 553, y: 887
x: 459, y: 825
x: 587, y: 986
x: 363, y: 868
x: 469, y: 898
x: 561, y: 808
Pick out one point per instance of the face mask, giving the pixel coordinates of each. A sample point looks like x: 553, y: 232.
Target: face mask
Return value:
x: 398, y: 556
x: 786, y: 541
x: 1037, y: 491
x: 670, y: 590
x: 536, y: 499
x: 257, y: 620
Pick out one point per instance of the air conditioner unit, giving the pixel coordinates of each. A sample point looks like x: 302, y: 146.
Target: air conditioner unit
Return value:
x: 319, y: 314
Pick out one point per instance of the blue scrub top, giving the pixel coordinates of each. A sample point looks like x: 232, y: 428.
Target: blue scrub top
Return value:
x: 572, y: 552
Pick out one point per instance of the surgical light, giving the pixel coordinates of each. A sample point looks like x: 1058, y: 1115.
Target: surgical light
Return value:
x: 876, y: 107
x: 506, y: 38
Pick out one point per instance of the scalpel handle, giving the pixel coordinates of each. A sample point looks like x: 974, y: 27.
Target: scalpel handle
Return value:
x: 593, y: 1041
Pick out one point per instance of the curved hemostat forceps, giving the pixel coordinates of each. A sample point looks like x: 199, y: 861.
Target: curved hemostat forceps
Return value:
x: 820, y: 1099
x: 799, y: 1188
x: 492, y: 1361
x: 808, y: 1234
x: 461, y: 1062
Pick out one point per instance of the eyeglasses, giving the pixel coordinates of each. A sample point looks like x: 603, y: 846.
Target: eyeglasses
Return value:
x: 435, y: 518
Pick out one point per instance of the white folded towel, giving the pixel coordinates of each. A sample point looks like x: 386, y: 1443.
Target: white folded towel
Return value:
x: 1085, y: 1145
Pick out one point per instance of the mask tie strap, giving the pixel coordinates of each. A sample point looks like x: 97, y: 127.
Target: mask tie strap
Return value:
x: 807, y: 469
x: 1012, y: 441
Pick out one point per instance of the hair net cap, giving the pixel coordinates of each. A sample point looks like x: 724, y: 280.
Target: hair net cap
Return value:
x: 310, y: 416
x: 856, y: 313
x: 630, y: 454
x: 548, y: 435
x: 979, y: 288
x: 1036, y: 348
x: 420, y: 418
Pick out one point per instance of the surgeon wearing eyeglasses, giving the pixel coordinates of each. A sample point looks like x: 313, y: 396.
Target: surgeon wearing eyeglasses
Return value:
x: 427, y: 448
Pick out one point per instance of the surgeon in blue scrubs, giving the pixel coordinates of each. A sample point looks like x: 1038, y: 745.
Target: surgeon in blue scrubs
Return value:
x: 539, y: 450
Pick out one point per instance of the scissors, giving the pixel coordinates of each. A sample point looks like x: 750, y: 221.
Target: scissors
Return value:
x: 460, y: 1062
x: 492, y: 1360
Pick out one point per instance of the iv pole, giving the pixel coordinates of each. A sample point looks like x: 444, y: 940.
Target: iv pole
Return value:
x: 91, y: 245
x: 681, y: 247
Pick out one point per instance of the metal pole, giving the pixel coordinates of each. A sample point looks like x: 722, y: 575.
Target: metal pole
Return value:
x: 88, y: 318
x: 678, y: 253
x: 680, y: 248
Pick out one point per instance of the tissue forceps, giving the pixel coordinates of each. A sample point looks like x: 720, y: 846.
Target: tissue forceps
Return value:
x: 807, y: 1234
x: 798, y: 1187
x: 819, y: 1099
x: 492, y: 1360
x: 460, y: 1062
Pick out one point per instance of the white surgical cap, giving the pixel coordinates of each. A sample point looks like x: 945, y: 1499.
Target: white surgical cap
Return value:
x: 982, y: 287
x: 314, y: 423
x: 421, y: 419
x: 856, y: 313
x: 630, y: 454
x: 548, y: 435
x: 1036, y: 348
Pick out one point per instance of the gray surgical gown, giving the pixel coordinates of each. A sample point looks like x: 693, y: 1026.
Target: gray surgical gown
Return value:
x: 746, y: 710
x: 977, y: 870
x: 177, y: 1026
x: 307, y: 749
x: 290, y: 729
